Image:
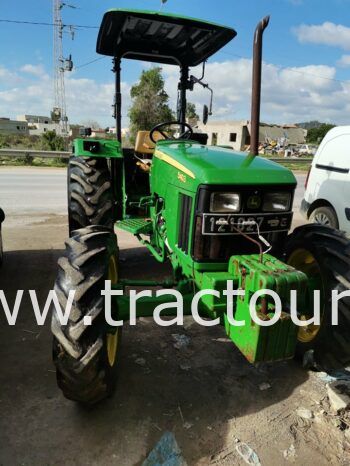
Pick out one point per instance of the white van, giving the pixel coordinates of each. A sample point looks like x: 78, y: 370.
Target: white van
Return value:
x: 327, y: 195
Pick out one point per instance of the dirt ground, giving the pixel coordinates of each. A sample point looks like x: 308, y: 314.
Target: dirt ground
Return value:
x: 206, y: 394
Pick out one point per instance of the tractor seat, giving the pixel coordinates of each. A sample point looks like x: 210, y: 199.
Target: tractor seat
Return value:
x: 144, y: 145
x: 144, y: 149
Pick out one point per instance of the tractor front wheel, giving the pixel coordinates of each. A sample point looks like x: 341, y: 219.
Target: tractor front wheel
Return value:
x: 90, y: 194
x: 86, y: 356
x: 323, y: 254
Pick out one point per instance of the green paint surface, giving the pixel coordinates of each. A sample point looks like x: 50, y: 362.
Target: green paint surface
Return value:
x: 217, y: 165
x: 107, y: 148
x: 161, y: 13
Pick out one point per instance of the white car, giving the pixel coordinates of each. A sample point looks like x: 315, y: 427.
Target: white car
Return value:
x: 327, y: 195
x: 307, y: 149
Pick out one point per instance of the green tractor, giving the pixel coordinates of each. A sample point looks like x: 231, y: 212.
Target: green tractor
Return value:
x: 217, y: 216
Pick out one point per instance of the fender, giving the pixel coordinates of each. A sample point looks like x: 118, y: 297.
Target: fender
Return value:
x: 97, y: 148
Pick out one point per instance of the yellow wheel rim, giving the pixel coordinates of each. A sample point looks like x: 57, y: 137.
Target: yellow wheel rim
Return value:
x: 112, y: 338
x: 112, y: 345
x: 303, y: 260
x: 113, y: 270
x: 307, y: 333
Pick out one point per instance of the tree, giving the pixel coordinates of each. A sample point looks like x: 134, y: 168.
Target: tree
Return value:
x: 51, y: 141
x: 149, y: 102
x: 309, y: 124
x: 315, y: 135
x: 191, y: 112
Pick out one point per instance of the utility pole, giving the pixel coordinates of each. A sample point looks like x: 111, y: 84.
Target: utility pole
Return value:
x: 61, y: 65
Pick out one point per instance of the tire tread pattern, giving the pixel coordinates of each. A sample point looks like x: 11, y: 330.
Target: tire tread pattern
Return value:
x: 331, y: 249
x: 90, y: 194
x: 79, y: 352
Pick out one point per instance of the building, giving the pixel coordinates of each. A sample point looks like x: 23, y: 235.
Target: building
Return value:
x: 75, y: 131
x: 98, y: 133
x: 37, y: 129
x: 38, y: 124
x: 34, y: 119
x: 125, y: 131
x: 8, y: 126
x: 236, y: 134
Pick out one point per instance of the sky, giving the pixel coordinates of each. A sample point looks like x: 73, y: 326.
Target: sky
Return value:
x: 306, y: 72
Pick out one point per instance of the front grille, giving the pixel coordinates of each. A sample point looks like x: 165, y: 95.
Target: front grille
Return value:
x: 219, y: 248
x: 184, y: 221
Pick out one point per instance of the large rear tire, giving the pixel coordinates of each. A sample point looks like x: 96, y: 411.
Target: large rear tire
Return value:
x: 324, y: 255
x: 90, y: 194
x: 86, y: 356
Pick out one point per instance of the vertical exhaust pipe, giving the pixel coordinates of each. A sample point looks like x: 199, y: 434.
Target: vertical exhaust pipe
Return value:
x: 256, y: 87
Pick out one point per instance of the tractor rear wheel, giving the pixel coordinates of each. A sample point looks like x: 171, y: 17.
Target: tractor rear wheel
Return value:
x: 90, y: 194
x: 323, y: 254
x: 86, y: 356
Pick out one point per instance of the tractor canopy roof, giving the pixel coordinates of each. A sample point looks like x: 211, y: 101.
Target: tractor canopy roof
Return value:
x: 160, y: 37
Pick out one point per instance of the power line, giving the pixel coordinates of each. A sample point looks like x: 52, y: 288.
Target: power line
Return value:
x: 36, y: 23
x: 89, y: 62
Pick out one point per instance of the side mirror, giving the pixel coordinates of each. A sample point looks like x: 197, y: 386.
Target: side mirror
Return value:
x: 205, y: 114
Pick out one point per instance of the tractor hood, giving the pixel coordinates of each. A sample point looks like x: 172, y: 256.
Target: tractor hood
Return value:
x: 215, y: 165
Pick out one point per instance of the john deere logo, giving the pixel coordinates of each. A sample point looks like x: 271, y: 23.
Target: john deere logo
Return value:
x: 253, y: 202
x: 181, y: 177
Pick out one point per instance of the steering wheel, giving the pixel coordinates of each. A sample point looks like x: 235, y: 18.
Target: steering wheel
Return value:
x: 187, y: 134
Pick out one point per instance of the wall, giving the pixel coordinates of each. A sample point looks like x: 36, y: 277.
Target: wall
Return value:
x: 13, y: 127
x: 34, y: 119
x: 227, y: 133
x: 221, y: 132
x: 40, y: 128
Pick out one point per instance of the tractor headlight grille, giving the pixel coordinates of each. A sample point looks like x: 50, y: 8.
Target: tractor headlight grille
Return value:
x: 277, y: 202
x: 225, y: 202
x: 265, y: 204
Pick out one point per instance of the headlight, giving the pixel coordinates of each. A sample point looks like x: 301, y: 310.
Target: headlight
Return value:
x: 225, y: 202
x: 277, y: 202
